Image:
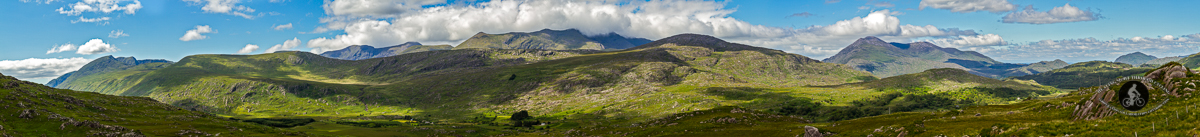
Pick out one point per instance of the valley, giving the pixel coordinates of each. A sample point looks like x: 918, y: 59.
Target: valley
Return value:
x: 682, y: 85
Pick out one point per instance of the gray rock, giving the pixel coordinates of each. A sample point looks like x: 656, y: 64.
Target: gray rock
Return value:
x: 810, y: 131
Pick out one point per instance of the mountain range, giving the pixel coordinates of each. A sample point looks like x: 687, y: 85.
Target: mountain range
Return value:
x: 104, y: 65
x: 885, y: 59
x: 360, y: 52
x: 570, y: 39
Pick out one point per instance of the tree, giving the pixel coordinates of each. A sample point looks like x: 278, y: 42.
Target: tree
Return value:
x: 519, y: 117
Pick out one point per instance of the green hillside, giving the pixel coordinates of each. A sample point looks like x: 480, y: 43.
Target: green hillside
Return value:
x: 107, y: 74
x: 1191, y: 61
x: 35, y: 110
x: 1085, y: 74
x: 475, y: 90
x: 455, y: 84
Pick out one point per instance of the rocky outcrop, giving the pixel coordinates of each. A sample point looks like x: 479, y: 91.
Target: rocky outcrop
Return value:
x: 1169, y: 74
x: 1091, y: 109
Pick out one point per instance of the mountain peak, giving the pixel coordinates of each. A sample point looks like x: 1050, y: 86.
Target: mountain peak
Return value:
x: 1135, y: 58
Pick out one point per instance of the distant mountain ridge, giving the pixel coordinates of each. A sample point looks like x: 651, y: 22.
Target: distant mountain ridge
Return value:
x: 884, y: 59
x: 569, y: 39
x: 360, y: 52
x: 102, y: 65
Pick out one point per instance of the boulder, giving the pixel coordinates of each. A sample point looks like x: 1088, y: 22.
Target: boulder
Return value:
x: 810, y: 131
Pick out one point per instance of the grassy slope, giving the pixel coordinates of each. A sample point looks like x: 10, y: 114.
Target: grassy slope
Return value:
x: 60, y: 112
x: 111, y: 82
x: 1191, y: 61
x: 1049, y: 117
x: 1085, y: 74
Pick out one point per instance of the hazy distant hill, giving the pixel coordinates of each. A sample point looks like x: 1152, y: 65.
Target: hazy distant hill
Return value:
x: 885, y: 59
x: 1085, y: 74
x: 1164, y: 60
x: 360, y: 52
x: 1135, y: 58
x: 100, y: 67
x: 547, y: 39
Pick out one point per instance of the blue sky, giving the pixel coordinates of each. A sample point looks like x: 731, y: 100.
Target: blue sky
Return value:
x: 1002, y: 29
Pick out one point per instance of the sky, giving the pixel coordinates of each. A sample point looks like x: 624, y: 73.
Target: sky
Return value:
x: 43, y: 39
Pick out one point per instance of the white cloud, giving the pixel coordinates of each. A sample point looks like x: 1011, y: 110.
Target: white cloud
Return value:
x: 1087, y: 49
x: 62, y: 48
x: 97, y: 6
x: 1066, y: 13
x: 375, y: 8
x: 279, y: 1
x: 95, y: 46
x: 249, y: 48
x: 225, y: 6
x: 34, y: 68
x: 105, y: 6
x: 283, y: 27
x: 117, y: 34
x: 969, y: 41
x: 98, y: 19
x: 197, y: 34
x: 967, y: 6
x: 287, y: 45
x: 40, y: 1
x: 651, y: 19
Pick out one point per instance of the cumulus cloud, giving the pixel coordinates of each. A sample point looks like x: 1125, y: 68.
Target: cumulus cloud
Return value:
x: 197, y: 34
x: 95, y: 46
x: 650, y: 19
x: 117, y: 34
x: 287, y: 45
x: 967, y: 6
x: 283, y: 27
x: 98, y: 6
x: 969, y: 41
x: 802, y: 14
x: 1066, y: 13
x: 226, y: 7
x: 62, y: 48
x: 249, y: 48
x: 35, y: 68
x: 1087, y: 49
